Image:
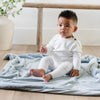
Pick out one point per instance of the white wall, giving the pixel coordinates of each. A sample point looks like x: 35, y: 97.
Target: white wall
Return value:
x: 26, y: 24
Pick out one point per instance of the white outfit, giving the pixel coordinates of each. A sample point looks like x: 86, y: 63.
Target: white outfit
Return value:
x: 66, y: 54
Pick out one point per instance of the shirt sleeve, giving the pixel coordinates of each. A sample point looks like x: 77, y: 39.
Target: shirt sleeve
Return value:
x: 77, y: 51
x: 50, y: 45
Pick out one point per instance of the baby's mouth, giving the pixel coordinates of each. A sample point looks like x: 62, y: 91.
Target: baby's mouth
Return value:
x: 62, y: 32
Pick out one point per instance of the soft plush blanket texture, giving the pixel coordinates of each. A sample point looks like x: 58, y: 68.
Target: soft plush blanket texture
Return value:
x: 15, y: 75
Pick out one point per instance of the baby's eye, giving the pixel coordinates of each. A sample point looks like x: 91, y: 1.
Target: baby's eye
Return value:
x: 60, y: 25
x: 67, y: 26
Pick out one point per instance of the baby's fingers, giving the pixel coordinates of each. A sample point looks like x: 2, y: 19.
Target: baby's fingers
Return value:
x: 41, y: 49
x: 71, y: 73
x: 75, y: 74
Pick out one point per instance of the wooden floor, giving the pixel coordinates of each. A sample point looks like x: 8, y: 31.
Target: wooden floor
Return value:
x: 19, y: 95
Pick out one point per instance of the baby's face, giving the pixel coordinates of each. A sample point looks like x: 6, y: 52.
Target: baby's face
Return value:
x: 66, y: 27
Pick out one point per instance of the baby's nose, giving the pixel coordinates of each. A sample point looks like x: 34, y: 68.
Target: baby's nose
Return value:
x: 62, y: 27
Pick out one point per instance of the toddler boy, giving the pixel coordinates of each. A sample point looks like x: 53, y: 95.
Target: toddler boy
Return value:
x: 65, y: 48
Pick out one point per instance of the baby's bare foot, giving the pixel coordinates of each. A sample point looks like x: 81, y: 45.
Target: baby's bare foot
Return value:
x: 47, y: 77
x: 37, y: 72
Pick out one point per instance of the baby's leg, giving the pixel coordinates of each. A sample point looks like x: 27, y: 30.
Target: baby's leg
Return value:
x: 43, y: 67
x: 37, y: 72
x: 62, y: 69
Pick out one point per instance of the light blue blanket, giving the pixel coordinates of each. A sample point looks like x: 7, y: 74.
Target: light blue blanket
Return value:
x: 15, y: 75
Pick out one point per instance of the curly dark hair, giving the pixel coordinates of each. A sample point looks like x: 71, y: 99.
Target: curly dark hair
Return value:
x: 69, y: 15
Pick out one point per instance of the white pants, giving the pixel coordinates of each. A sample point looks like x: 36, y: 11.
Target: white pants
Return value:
x: 59, y: 69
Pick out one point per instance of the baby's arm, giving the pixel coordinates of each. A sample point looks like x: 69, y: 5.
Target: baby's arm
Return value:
x: 76, y: 64
x: 50, y: 46
x: 77, y: 50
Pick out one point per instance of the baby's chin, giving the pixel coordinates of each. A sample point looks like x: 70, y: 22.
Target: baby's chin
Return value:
x: 64, y: 36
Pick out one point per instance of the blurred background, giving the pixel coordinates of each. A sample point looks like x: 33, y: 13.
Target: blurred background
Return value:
x: 26, y: 24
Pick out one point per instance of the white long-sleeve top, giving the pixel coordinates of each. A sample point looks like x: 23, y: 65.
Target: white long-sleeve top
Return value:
x: 65, y: 49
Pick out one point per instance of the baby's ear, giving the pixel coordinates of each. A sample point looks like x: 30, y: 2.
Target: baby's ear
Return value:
x: 75, y: 29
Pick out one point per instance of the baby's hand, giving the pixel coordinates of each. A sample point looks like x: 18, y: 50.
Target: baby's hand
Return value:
x: 74, y: 72
x: 43, y: 49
